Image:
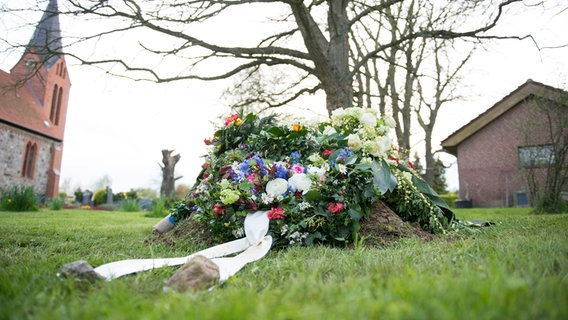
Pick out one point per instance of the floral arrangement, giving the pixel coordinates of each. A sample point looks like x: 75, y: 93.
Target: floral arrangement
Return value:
x: 316, y: 181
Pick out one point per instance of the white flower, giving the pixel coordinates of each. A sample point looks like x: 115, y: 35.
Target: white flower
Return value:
x: 329, y: 130
x: 389, y: 121
x: 277, y: 187
x: 304, y: 205
x: 318, y: 172
x: 368, y: 119
x: 300, y: 182
x: 266, y: 198
x: 354, y: 142
x: 325, y: 166
x: 341, y: 168
x: 372, y: 148
x: 337, y: 112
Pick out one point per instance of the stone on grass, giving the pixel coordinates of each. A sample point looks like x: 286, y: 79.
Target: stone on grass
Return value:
x: 197, y: 274
x: 80, y: 269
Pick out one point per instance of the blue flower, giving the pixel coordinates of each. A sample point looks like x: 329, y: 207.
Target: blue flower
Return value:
x: 295, y: 156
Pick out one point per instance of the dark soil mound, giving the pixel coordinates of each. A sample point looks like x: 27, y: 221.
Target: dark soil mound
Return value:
x: 383, y: 226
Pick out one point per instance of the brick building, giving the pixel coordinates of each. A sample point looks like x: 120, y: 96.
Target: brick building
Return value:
x: 495, y: 150
x: 33, y: 108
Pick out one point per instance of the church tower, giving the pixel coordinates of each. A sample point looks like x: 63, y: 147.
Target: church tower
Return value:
x: 38, y: 106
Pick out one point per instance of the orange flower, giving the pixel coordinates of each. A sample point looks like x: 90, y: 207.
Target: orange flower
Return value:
x: 298, y: 127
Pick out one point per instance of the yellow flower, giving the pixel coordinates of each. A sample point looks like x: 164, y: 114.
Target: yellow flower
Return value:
x: 298, y: 127
x: 238, y: 122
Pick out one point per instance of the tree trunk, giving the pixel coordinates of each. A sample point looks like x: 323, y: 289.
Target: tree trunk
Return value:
x: 330, y: 57
x: 168, y: 178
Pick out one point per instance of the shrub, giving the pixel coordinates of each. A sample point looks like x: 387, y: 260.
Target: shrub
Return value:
x: 78, y: 195
x: 159, y: 208
x: 100, y: 197
x: 19, y: 198
x: 129, y: 205
x: 449, y: 198
x: 56, y: 204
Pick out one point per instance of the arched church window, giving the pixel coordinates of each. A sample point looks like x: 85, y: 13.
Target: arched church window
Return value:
x: 28, y: 168
x: 53, y: 110
x: 59, y: 97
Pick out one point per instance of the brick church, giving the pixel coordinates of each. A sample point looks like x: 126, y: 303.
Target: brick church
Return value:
x: 34, y: 98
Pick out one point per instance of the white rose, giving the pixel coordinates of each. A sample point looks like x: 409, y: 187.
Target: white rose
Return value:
x: 329, y: 130
x: 277, y: 187
x: 354, y: 142
x: 300, y: 182
x: 372, y: 148
x: 368, y: 119
x: 318, y: 172
x: 337, y: 112
x: 389, y: 121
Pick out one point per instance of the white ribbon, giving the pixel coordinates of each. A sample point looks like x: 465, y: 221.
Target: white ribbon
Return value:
x: 254, y: 246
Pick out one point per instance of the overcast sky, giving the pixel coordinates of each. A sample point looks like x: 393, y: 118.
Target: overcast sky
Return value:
x: 117, y: 127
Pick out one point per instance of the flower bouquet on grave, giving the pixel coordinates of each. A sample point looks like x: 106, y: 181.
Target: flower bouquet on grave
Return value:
x: 316, y: 181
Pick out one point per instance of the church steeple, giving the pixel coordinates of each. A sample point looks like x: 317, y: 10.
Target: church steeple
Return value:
x: 46, y: 40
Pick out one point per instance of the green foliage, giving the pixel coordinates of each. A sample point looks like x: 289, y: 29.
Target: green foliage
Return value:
x: 159, y: 208
x: 78, y: 195
x: 146, y: 193
x: 515, y: 269
x: 56, y: 204
x: 100, y: 197
x: 132, y: 194
x: 128, y: 205
x: 449, y: 198
x: 19, y: 198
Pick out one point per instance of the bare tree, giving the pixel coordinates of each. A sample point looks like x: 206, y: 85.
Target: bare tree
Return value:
x: 310, y: 38
x: 544, y: 158
x: 168, y: 176
x: 414, y: 79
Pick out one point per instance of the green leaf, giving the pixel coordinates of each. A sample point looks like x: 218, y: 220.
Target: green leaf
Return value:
x: 312, y: 195
x: 383, y: 179
x: 276, y: 131
x: 355, y: 214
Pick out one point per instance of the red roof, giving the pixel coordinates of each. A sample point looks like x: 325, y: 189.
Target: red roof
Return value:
x: 20, y: 108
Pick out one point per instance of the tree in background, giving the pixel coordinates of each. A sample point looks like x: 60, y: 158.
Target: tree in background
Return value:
x: 168, y: 173
x: 546, y: 164
x: 439, y: 183
x: 310, y: 40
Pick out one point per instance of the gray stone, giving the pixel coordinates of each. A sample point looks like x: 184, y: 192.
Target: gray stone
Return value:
x: 197, y: 274
x: 80, y: 269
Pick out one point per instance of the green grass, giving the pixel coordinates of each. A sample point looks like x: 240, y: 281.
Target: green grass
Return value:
x: 515, y: 269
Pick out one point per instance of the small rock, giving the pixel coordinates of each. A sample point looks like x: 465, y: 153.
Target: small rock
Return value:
x: 80, y: 269
x: 197, y: 274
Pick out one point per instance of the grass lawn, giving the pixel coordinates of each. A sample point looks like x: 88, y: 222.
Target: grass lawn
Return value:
x: 515, y: 269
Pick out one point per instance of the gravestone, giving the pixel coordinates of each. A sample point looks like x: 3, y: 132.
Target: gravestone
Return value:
x: 109, y: 196
x: 86, y: 201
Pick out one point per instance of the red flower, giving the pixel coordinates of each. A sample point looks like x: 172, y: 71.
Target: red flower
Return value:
x: 206, y: 165
x: 232, y: 118
x: 275, y: 213
x: 206, y: 175
x: 334, y: 207
x: 219, y: 209
x: 411, y: 165
x: 207, y: 141
x: 328, y: 152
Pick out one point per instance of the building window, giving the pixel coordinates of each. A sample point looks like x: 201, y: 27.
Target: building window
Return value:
x: 53, y: 110
x: 536, y: 156
x: 58, y: 110
x: 28, y: 168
